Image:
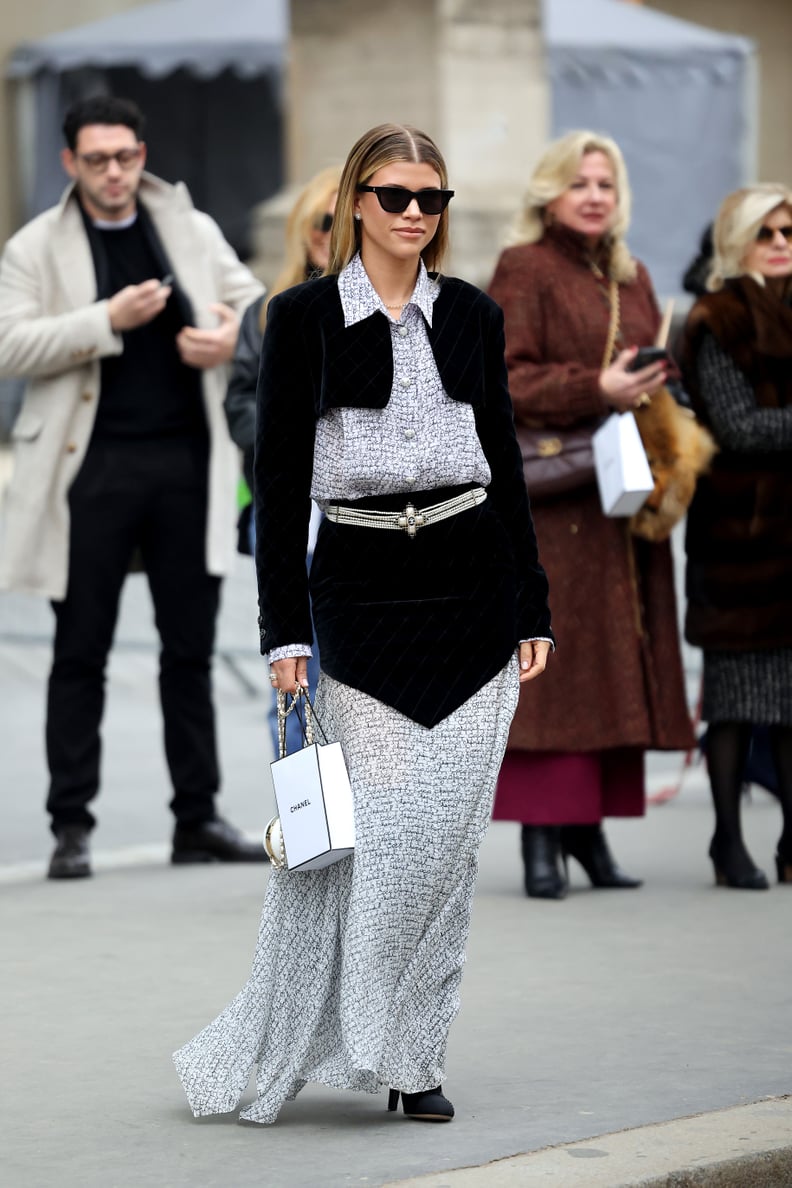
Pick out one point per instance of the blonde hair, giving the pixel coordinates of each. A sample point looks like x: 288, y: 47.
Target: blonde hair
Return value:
x: 739, y: 218
x: 552, y: 176
x: 311, y: 204
x: 377, y: 148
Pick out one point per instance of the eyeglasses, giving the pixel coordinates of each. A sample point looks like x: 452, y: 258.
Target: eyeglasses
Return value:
x: 99, y: 162
x: 323, y: 223
x: 396, y: 199
x: 768, y: 234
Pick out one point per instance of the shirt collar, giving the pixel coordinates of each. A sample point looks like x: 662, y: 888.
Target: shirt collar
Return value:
x: 359, y: 298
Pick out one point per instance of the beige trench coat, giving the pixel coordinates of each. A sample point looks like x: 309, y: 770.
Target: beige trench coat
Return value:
x: 54, y: 332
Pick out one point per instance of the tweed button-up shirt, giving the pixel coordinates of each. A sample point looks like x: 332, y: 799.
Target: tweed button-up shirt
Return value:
x: 421, y: 439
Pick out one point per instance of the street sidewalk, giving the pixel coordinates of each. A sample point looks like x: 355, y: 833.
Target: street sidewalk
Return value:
x: 608, y: 1012
x: 587, y: 1026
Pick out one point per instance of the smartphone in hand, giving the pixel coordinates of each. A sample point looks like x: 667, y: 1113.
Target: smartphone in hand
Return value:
x: 646, y: 356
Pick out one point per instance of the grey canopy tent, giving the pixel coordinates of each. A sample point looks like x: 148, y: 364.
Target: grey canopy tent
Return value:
x: 679, y: 101
x: 208, y: 77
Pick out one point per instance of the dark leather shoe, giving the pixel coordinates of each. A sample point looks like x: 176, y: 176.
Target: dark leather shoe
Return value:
x: 541, y: 851
x: 734, y: 866
x: 587, y: 844
x: 71, y: 858
x: 214, y: 841
x: 430, y: 1106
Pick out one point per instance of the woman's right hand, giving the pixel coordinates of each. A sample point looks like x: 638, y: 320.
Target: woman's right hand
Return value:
x: 624, y: 389
x: 289, y: 674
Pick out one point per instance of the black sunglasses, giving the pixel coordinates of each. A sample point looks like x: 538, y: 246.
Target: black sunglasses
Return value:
x: 767, y: 234
x: 324, y: 223
x: 396, y: 199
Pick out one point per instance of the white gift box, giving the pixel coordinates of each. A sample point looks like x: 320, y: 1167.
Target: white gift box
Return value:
x: 315, y: 806
x: 623, y: 475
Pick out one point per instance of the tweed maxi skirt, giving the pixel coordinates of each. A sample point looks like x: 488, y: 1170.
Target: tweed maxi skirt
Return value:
x: 357, y: 968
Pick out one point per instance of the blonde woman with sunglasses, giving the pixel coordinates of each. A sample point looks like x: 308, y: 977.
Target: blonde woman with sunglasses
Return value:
x: 383, y: 396
x: 307, y: 254
x: 738, y: 362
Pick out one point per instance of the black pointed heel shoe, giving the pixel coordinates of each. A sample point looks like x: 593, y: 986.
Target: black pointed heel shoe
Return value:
x: 736, y: 869
x: 541, y: 853
x: 587, y: 845
x: 430, y: 1106
x: 783, y: 868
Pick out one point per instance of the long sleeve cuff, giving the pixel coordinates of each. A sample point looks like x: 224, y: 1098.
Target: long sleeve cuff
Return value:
x: 540, y: 639
x: 290, y: 652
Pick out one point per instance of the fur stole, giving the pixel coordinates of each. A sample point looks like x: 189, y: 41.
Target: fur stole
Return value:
x: 678, y: 449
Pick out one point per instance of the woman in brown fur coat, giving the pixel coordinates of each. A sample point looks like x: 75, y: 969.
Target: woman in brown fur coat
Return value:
x: 738, y: 357
x: 615, y: 689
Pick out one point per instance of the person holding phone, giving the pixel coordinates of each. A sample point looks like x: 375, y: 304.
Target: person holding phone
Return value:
x: 120, y: 307
x: 577, y: 309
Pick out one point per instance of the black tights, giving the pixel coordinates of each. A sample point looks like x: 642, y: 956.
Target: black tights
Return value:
x: 727, y: 751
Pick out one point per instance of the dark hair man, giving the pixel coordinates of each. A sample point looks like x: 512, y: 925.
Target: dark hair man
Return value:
x: 120, y: 306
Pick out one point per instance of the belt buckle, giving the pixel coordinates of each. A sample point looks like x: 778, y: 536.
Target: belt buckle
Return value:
x: 411, y: 520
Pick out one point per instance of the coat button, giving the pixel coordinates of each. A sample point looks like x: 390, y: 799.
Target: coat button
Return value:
x: 409, y: 434
x: 405, y: 381
x: 403, y: 331
x: 87, y: 396
x: 71, y: 448
x: 573, y: 528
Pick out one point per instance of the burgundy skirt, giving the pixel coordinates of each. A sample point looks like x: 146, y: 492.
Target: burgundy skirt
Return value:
x: 570, y: 788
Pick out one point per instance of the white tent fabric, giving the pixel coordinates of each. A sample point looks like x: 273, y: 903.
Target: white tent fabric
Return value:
x: 203, y: 36
x: 679, y: 101
x: 207, y: 74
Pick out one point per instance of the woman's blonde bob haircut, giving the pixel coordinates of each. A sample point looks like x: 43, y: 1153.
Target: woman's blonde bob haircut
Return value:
x: 377, y: 148
x: 552, y: 176
x: 311, y: 204
x: 739, y: 218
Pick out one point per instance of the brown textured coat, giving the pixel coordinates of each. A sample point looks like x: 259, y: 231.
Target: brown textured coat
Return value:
x: 739, y: 531
x: 616, y: 679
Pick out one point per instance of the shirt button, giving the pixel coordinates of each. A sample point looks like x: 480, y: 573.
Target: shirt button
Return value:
x: 87, y: 396
x: 71, y: 448
x: 405, y: 381
x: 573, y: 528
x: 409, y: 434
x: 403, y: 331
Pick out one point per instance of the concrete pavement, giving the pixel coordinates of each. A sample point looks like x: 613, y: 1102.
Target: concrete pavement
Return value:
x: 582, y: 1020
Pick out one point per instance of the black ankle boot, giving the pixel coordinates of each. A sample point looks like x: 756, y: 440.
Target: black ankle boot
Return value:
x: 429, y: 1106
x: 587, y: 845
x: 734, y: 866
x: 541, y: 851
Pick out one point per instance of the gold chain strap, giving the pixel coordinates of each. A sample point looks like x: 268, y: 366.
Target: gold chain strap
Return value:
x: 615, y: 314
x: 613, y: 328
x: 283, y: 714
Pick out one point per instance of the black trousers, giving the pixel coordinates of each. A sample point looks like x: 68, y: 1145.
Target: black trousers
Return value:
x: 149, y: 496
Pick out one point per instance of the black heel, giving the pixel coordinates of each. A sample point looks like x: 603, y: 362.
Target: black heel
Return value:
x: 730, y: 871
x: 429, y: 1106
x: 541, y: 853
x: 587, y: 845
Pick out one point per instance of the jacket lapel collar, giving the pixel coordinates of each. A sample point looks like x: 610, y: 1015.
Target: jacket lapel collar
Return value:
x: 71, y: 254
x: 455, y: 337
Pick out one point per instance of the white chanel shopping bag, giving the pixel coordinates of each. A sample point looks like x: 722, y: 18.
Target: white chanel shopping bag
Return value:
x: 623, y: 475
x: 315, y: 825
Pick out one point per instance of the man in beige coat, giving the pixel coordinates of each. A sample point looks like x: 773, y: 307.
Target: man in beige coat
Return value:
x: 120, y: 306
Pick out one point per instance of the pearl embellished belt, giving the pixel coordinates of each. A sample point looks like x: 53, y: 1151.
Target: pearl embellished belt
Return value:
x: 411, y: 518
